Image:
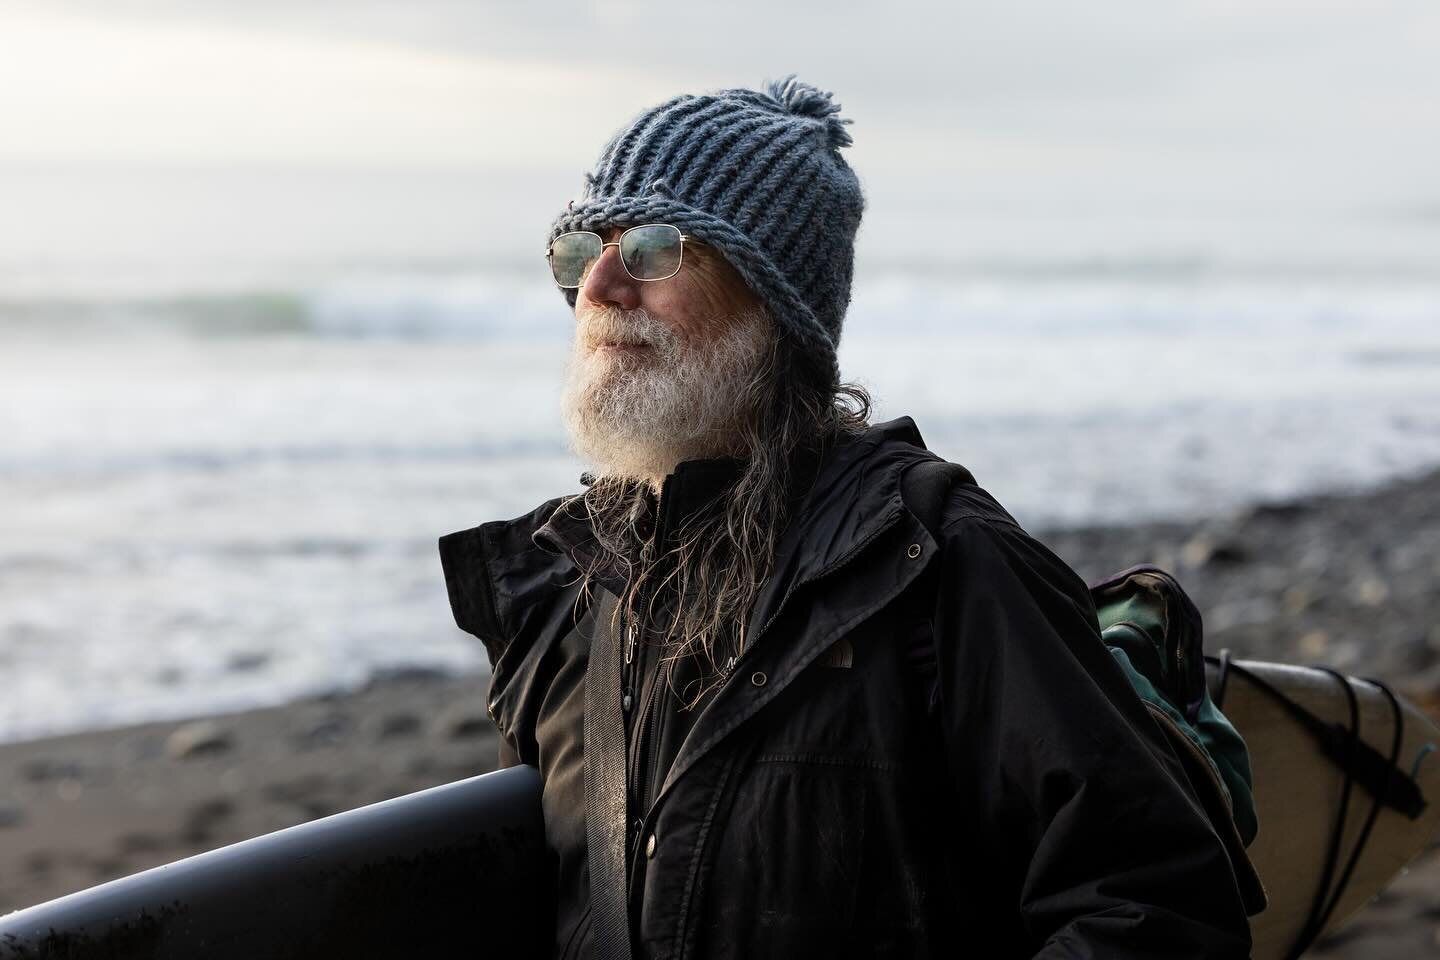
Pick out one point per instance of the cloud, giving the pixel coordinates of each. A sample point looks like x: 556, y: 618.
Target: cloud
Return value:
x: 88, y: 89
x: 1028, y: 123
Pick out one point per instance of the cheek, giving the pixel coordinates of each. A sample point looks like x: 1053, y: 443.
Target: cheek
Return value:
x: 707, y: 295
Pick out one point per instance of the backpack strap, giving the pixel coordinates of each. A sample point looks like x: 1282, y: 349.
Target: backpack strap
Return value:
x: 604, y: 777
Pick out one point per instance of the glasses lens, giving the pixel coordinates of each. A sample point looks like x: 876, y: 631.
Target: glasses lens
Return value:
x: 572, y: 255
x: 651, y: 252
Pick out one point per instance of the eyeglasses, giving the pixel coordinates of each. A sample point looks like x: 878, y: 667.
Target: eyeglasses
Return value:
x: 651, y: 251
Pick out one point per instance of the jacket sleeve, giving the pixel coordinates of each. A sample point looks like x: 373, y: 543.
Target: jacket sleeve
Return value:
x: 1098, y: 844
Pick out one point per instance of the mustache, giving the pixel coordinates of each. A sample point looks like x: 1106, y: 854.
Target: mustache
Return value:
x: 636, y: 327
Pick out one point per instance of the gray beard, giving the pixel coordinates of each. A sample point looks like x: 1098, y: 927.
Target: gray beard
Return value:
x: 637, y: 415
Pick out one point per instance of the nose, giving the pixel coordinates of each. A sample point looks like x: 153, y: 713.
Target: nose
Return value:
x: 608, y: 283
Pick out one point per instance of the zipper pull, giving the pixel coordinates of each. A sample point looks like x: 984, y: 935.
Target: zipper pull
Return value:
x: 630, y: 642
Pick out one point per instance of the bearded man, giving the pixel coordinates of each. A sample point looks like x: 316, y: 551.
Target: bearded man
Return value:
x: 777, y: 709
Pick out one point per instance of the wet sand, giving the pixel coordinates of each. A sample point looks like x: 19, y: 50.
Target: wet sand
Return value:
x: 1352, y: 581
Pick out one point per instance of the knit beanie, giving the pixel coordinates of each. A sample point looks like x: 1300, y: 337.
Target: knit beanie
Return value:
x: 759, y: 177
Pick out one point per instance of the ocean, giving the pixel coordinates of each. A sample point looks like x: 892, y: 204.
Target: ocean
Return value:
x: 227, y: 494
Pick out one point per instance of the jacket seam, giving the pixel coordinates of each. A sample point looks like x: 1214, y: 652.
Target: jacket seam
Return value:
x: 983, y: 518
x: 487, y: 592
x: 829, y: 760
x: 486, y: 596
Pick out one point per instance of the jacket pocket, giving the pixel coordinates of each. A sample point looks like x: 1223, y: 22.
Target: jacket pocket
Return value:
x: 787, y: 867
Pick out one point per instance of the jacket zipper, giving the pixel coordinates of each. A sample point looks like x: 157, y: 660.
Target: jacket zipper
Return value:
x: 648, y: 735
x: 640, y: 695
x: 654, y: 720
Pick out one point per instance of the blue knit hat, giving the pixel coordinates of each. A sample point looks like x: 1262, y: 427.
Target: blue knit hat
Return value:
x: 759, y: 177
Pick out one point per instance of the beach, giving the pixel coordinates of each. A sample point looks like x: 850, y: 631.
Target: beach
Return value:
x: 1341, y: 579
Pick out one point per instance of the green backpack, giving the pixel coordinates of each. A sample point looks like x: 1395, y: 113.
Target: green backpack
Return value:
x: 1154, y: 632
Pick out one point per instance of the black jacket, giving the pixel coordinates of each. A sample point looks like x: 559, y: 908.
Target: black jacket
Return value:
x: 924, y: 751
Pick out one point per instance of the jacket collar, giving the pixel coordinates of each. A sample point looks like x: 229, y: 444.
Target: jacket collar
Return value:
x: 692, y: 486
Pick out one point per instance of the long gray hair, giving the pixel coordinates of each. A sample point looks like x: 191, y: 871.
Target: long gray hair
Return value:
x: 723, y: 553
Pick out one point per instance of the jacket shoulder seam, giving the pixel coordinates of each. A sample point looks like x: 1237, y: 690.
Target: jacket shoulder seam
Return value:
x: 982, y: 518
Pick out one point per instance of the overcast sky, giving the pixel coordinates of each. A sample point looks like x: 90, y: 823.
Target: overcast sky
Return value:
x: 1141, y: 126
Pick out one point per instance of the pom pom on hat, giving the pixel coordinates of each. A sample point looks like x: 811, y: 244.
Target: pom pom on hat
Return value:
x: 804, y: 100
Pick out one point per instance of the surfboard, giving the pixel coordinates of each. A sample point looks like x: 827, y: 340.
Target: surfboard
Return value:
x: 1302, y: 802
x: 463, y: 869
x: 456, y: 870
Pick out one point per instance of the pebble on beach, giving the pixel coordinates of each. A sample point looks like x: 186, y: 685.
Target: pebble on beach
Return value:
x: 197, y: 739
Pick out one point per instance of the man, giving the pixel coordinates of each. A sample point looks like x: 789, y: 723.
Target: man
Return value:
x: 777, y: 712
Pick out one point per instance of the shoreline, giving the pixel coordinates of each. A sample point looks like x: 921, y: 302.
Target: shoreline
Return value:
x: 1345, y: 579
